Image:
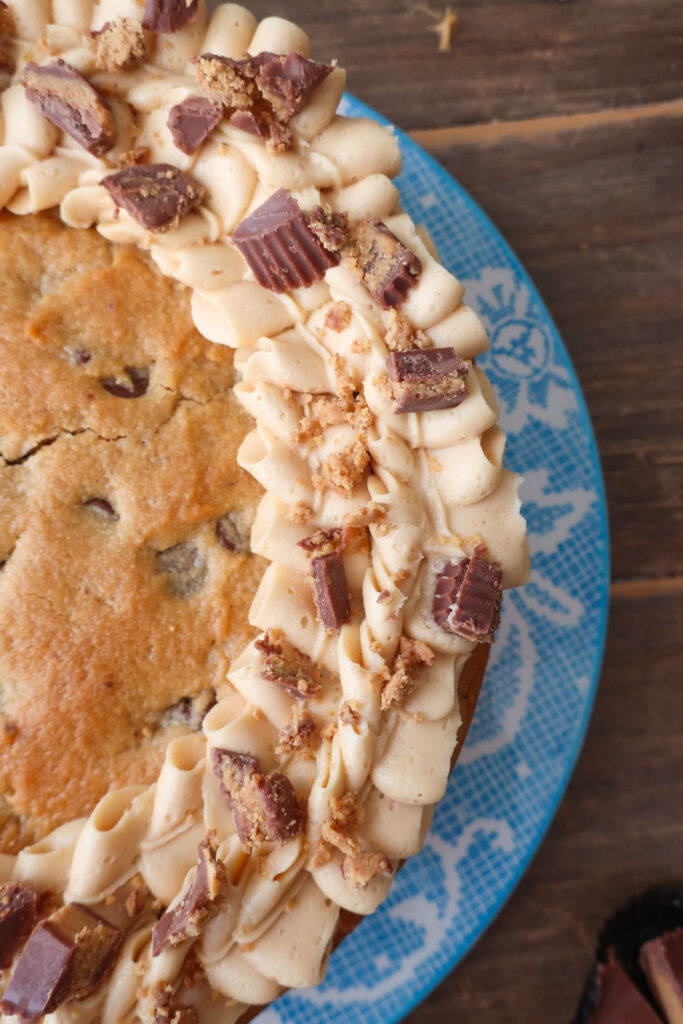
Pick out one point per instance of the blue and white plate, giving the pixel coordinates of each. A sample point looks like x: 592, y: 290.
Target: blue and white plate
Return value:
x: 543, y: 671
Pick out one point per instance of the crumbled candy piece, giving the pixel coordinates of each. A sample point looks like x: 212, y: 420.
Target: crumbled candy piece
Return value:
x: 166, y: 16
x: 265, y: 807
x: 387, y: 269
x: 423, y: 379
x: 66, y: 958
x: 18, y: 916
x: 299, y: 734
x: 331, y: 590
x: 412, y: 656
x: 279, y: 246
x: 359, y: 869
x: 286, y: 82
x: 467, y: 599
x: 285, y: 665
x: 69, y: 101
x: 187, y: 919
x: 155, y: 195
x: 192, y: 121
x: 119, y: 45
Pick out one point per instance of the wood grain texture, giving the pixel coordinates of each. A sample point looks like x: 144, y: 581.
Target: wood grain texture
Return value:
x: 594, y: 207
x: 510, y: 58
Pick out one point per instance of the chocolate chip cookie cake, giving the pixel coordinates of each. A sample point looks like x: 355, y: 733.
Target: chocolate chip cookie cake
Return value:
x: 254, y: 520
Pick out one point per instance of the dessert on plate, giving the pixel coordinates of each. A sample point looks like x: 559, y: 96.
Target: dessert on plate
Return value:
x: 254, y: 520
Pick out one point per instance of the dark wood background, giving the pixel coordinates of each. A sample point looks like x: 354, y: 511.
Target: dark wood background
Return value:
x: 565, y: 121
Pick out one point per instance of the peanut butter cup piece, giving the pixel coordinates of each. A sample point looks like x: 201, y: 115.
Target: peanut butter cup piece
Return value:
x: 279, y: 246
x: 187, y: 919
x: 18, y: 916
x: 69, y: 101
x: 155, y: 195
x: 192, y: 121
x: 385, y: 266
x: 65, y: 958
x: 331, y: 590
x: 424, y: 379
x: 467, y: 599
x: 284, y: 664
x: 265, y: 807
x: 167, y: 16
x: 286, y: 82
x: 119, y: 45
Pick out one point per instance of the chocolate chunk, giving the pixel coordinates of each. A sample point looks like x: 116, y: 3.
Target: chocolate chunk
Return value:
x: 387, y: 269
x: 330, y: 590
x: 169, y: 15
x: 230, y: 535
x: 119, y: 45
x: 467, y: 599
x: 191, y: 122
x: 82, y: 356
x: 139, y: 382
x: 155, y: 195
x: 189, y: 711
x: 285, y: 665
x: 184, y: 567
x: 280, y: 247
x: 662, y: 961
x: 423, y: 379
x: 265, y: 807
x: 66, y: 957
x: 67, y: 99
x: 102, y: 507
x: 18, y: 916
x: 187, y: 919
x: 614, y: 999
x: 287, y: 82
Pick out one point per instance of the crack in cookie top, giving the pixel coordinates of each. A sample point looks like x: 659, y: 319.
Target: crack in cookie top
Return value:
x: 389, y: 522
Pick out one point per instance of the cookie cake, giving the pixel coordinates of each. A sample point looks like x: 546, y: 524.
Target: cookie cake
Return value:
x: 254, y: 520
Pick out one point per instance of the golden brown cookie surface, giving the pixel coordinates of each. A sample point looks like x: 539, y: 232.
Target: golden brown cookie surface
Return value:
x: 121, y: 597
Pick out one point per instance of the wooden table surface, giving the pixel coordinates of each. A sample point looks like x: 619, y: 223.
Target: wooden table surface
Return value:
x: 565, y: 122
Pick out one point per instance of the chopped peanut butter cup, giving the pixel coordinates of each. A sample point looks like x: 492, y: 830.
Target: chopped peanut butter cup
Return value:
x: 67, y: 99
x: 192, y: 121
x: 385, y: 266
x: 168, y: 16
x: 66, y: 958
x: 467, y: 599
x: 18, y: 915
x: 265, y: 807
x: 187, y: 919
x: 331, y: 590
x: 279, y: 246
x: 155, y: 195
x: 423, y: 379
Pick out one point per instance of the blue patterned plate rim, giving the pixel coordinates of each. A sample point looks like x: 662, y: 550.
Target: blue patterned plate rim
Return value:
x: 288, y: 1008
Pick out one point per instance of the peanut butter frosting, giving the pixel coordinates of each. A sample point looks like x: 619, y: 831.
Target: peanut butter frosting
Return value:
x: 388, y: 524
